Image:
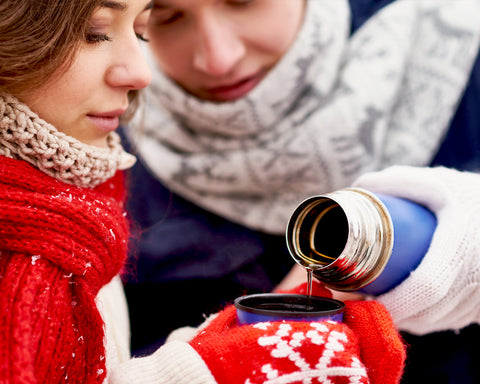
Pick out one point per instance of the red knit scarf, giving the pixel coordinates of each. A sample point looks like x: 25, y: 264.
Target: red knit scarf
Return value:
x: 59, y: 244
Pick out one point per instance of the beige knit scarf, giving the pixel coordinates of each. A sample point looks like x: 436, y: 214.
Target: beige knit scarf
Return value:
x: 24, y: 135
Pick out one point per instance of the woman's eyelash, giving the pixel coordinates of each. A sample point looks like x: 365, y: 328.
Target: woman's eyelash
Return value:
x: 140, y: 37
x: 93, y: 38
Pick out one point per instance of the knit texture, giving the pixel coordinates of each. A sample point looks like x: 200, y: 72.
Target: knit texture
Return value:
x: 381, y: 347
x: 175, y: 362
x: 59, y: 244
x: 442, y: 292
x: 334, y: 107
x: 365, y: 348
x: 280, y: 352
x: 24, y: 135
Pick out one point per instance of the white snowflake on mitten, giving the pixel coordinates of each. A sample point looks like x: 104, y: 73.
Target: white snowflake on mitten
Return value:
x: 321, y: 353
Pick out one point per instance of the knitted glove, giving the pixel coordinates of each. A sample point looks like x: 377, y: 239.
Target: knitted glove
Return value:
x: 298, y: 352
x: 444, y: 291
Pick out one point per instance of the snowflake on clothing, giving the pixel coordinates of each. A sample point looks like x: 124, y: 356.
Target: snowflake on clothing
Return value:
x: 333, y: 364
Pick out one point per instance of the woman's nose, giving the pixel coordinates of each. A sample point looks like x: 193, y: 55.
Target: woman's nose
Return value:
x: 218, y: 48
x: 130, y: 69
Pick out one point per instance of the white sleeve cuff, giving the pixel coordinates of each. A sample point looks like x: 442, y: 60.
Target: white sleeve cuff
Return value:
x: 442, y: 293
x: 175, y: 362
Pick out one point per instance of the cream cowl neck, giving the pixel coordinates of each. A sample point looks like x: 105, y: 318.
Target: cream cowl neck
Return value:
x: 23, y: 135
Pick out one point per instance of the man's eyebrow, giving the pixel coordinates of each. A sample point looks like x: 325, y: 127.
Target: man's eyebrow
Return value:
x: 149, y: 6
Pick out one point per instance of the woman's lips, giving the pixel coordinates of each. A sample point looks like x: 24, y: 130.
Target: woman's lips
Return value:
x: 107, y: 122
x: 233, y: 91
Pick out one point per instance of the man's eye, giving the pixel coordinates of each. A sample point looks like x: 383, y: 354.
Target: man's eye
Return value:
x: 240, y: 2
x: 159, y: 17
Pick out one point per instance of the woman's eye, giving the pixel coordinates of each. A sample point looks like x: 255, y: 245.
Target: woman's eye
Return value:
x: 97, y: 38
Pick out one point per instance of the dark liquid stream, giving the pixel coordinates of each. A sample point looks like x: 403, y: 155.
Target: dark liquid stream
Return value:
x: 309, y: 288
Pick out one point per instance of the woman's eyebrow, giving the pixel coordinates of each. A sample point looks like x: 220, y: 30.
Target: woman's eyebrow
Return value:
x: 117, y: 5
x: 120, y: 5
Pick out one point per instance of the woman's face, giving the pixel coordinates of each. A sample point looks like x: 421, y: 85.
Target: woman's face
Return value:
x: 219, y: 50
x: 86, y: 99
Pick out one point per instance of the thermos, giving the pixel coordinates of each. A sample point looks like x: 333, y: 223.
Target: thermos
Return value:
x: 352, y: 239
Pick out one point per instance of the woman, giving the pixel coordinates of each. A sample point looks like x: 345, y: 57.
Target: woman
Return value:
x: 255, y: 105
x: 64, y: 231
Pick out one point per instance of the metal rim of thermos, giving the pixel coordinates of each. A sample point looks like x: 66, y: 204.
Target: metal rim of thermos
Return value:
x: 368, y: 244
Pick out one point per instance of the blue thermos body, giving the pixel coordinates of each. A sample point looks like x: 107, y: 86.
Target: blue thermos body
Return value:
x: 353, y: 239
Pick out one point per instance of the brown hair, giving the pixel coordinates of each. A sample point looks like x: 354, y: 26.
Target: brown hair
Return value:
x: 37, y: 37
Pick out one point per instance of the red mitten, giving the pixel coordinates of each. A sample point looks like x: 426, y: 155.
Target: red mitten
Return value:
x: 381, y: 348
x: 279, y: 352
x: 364, y: 349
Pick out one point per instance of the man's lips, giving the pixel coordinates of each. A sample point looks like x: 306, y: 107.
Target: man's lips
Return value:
x: 233, y: 90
